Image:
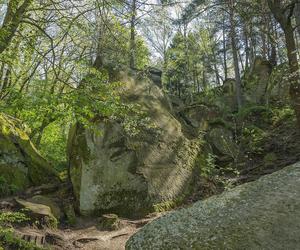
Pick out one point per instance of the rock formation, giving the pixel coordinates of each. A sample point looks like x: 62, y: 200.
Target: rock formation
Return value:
x: 20, y: 163
x: 113, y: 172
x: 264, y: 214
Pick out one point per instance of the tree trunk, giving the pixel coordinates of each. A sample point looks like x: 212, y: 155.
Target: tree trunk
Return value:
x: 294, y: 69
x: 284, y: 18
x: 297, y: 16
x: 246, y: 42
x: 14, y: 15
x: 273, y: 39
x: 238, y: 80
x: 224, y: 51
x: 132, y: 61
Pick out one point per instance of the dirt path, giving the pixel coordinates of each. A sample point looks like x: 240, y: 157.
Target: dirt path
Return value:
x: 87, y: 236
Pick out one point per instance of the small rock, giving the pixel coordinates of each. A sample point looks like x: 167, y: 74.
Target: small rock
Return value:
x: 39, y: 212
x: 110, y: 222
x: 55, y: 209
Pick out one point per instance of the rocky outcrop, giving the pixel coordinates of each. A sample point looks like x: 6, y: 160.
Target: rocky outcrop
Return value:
x: 264, y: 214
x: 20, y: 163
x: 222, y: 142
x: 114, y: 172
x: 258, y: 81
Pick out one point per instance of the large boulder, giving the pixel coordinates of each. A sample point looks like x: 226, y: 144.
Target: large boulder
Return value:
x: 20, y: 163
x: 264, y: 214
x: 225, y: 97
x: 257, y: 83
x: 114, y: 172
x: 222, y: 141
x: 279, y: 84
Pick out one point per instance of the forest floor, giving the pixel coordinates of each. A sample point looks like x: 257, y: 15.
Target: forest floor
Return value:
x: 86, y: 235
x: 280, y: 143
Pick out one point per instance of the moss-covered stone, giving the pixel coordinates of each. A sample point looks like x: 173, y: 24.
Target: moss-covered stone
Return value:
x: 109, y: 222
x: 264, y: 214
x: 39, y: 213
x: 20, y: 163
x: 270, y: 159
x: 13, y: 180
x: 256, y: 84
x: 44, y: 200
x: 222, y: 142
x: 116, y: 172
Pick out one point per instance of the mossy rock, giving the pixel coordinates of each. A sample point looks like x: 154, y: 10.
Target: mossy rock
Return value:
x: 117, y: 172
x: 20, y: 162
x: 109, y: 222
x: 13, y: 180
x: 44, y: 200
x: 260, y: 116
x: 256, y: 83
x: 39, y: 213
x: 221, y: 140
x: 270, y: 159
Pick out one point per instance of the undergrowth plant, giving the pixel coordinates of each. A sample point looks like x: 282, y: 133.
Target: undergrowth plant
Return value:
x: 8, y: 239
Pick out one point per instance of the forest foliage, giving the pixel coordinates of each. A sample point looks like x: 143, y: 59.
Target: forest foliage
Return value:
x: 56, y: 56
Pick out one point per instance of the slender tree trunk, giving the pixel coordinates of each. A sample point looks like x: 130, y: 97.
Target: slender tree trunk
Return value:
x: 252, y: 46
x: 132, y: 59
x: 247, y: 49
x: 238, y: 80
x: 273, y: 39
x: 264, y: 44
x: 14, y: 15
x: 204, y: 84
x: 241, y: 60
x: 216, y: 68
x: 186, y: 53
x: 297, y: 16
x: 224, y: 51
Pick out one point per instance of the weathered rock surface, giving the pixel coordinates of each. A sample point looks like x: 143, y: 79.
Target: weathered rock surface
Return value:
x: 39, y: 212
x: 114, y: 172
x: 20, y: 163
x: 264, y: 214
x: 50, y: 202
x: 221, y: 139
x: 258, y: 81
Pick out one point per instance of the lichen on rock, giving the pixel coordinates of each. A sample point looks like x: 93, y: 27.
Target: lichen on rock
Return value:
x: 264, y: 214
x: 20, y: 163
x: 113, y: 172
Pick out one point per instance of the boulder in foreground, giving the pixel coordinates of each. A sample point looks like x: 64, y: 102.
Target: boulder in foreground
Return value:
x: 264, y: 214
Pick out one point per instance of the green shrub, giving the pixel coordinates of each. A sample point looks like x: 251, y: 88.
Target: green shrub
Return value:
x: 220, y: 122
x: 284, y: 114
x: 250, y: 111
x: 8, y: 240
x: 253, y: 138
x: 53, y: 145
x: 208, y: 168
